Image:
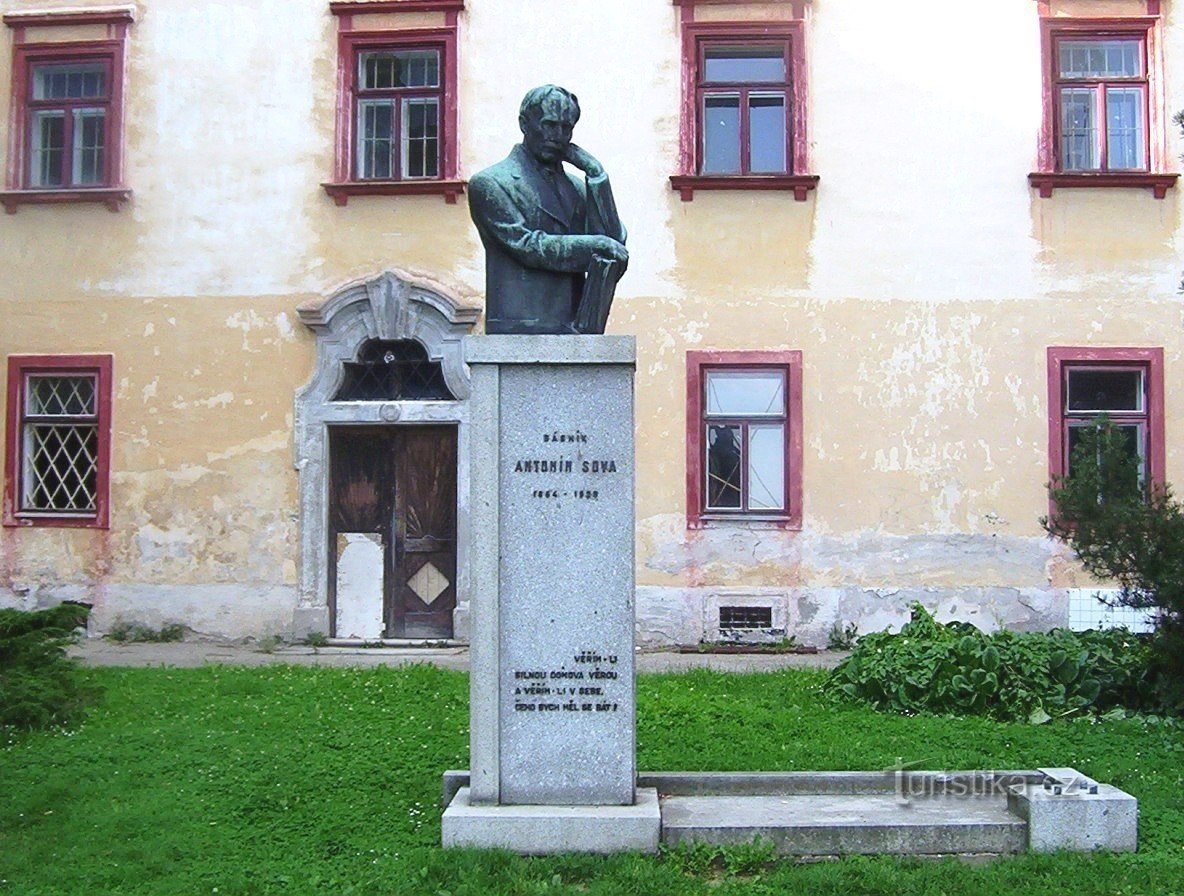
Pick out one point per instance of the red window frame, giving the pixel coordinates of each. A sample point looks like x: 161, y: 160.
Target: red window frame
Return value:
x: 1052, y: 173
x: 1062, y: 360
x: 20, y: 368
x: 697, y: 38
x: 789, y: 363
x: 351, y: 43
x: 27, y: 55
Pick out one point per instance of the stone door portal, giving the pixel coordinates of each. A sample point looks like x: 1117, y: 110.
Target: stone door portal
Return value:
x: 392, y: 531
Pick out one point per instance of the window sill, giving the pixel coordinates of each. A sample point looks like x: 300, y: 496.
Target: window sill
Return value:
x: 113, y: 198
x: 449, y: 189
x: 686, y: 184
x: 38, y: 521
x: 746, y: 521
x: 1047, y: 181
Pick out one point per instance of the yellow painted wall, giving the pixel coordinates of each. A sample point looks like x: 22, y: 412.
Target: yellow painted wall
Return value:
x: 923, y: 281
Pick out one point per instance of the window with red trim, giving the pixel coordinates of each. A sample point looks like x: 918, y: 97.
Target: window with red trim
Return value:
x: 744, y: 108
x: 59, y: 440
x: 1121, y: 385
x: 744, y: 437
x: 67, y: 112
x: 396, y: 116
x: 1103, y: 110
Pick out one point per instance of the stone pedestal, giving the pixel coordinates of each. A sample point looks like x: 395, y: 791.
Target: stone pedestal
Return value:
x: 552, y: 695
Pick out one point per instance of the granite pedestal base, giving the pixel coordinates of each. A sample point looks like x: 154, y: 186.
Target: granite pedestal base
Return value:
x: 552, y: 670
x: 542, y: 830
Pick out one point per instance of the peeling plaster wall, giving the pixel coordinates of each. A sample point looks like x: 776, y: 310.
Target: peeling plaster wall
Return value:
x: 922, y: 281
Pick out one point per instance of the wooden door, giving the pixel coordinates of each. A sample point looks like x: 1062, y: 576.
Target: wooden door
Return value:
x: 392, y: 496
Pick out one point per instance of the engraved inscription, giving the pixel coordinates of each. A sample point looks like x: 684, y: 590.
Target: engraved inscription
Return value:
x: 565, y: 466
x: 567, y: 690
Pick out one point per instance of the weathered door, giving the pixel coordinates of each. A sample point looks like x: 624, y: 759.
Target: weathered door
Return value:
x: 392, y: 531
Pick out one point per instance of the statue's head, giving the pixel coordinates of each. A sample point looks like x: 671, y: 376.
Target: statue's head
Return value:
x: 547, y: 117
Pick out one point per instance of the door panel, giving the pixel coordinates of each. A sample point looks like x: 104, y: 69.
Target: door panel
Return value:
x: 425, y: 540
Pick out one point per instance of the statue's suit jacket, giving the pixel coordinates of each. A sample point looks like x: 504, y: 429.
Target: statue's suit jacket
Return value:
x: 533, y: 274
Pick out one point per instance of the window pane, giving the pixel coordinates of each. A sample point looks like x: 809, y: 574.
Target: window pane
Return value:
x: 61, y: 467
x: 75, y: 81
x: 744, y: 64
x: 376, y: 127
x: 766, y: 467
x: 88, y: 146
x: 60, y: 396
x: 721, y: 134
x: 45, y: 160
x: 766, y: 131
x: 1101, y: 58
x: 723, y: 467
x: 1105, y: 390
x: 746, y: 393
x: 1079, y: 130
x: 1133, y: 440
x: 399, y: 68
x: 1124, y: 128
x: 421, y: 142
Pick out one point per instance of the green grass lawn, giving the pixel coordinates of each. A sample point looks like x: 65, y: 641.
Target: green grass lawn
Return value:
x: 296, y: 780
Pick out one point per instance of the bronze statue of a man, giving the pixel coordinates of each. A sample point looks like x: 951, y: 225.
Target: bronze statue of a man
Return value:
x: 554, y: 246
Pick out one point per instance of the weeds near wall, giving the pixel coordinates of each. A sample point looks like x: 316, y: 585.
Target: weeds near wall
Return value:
x: 123, y: 632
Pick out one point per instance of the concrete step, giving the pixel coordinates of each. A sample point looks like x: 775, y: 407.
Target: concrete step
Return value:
x: 830, y: 825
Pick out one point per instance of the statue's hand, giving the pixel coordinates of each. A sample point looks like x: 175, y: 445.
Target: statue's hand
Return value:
x: 607, y: 247
x: 582, y: 159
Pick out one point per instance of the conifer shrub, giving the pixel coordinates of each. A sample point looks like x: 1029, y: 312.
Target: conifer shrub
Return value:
x: 956, y: 669
x: 39, y: 685
x: 1131, y: 532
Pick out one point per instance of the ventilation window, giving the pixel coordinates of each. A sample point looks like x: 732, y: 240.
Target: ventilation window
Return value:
x: 392, y: 371
x: 745, y: 618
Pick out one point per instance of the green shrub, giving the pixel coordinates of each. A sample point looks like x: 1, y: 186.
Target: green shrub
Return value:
x: 39, y: 685
x: 1129, y: 532
x: 957, y: 669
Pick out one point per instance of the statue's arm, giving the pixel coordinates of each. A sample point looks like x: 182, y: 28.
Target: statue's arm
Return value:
x: 602, y: 208
x: 500, y: 219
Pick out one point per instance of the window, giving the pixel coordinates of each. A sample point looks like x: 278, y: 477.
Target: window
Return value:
x: 1123, y: 384
x: 743, y: 119
x: 59, y: 434
x: 744, y: 437
x: 1103, y: 105
x: 1101, y: 99
x: 67, y: 110
x: 396, y: 114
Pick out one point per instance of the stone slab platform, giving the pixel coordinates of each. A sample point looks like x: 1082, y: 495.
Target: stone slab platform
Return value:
x: 830, y: 825
x: 542, y: 830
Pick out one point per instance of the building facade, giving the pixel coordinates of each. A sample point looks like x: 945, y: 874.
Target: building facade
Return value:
x: 886, y: 262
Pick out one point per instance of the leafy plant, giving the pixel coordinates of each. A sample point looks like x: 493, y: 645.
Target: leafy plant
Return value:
x: 316, y: 639
x: 958, y: 669
x: 842, y: 637
x: 1130, y: 532
x: 39, y: 685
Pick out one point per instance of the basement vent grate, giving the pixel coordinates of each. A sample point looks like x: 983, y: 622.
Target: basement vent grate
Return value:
x: 745, y: 618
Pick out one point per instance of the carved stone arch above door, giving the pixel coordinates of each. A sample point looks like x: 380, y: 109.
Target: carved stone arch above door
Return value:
x: 393, y: 310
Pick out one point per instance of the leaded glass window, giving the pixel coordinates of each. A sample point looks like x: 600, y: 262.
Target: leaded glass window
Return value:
x: 60, y: 443
x: 397, y: 370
